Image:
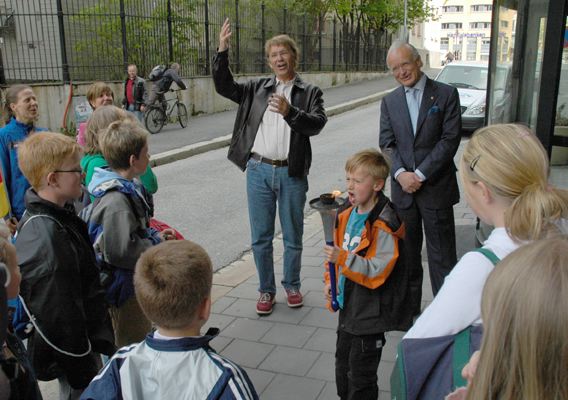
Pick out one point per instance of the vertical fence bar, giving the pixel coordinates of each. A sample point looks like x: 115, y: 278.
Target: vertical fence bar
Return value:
x: 334, y: 43
x: 123, y: 31
x: 263, y: 37
x: 284, y: 12
x: 319, y: 39
x: 207, y: 49
x: 238, y: 32
x: 64, y: 62
x: 170, y: 35
x: 304, y: 43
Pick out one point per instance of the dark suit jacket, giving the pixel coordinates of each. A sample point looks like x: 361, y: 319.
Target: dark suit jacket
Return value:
x: 433, y: 148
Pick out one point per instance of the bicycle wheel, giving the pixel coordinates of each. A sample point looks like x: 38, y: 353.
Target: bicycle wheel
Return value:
x: 154, y: 119
x: 182, y: 115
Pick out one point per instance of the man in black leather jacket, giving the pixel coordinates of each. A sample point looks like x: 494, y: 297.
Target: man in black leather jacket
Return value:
x: 271, y: 141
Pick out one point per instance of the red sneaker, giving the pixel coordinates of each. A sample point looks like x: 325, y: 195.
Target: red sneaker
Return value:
x: 295, y: 298
x: 265, y: 303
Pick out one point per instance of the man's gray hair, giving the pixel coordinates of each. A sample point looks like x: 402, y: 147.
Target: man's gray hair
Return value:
x: 398, y: 44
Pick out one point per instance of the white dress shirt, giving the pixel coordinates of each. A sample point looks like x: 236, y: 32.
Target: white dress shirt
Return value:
x: 273, y: 136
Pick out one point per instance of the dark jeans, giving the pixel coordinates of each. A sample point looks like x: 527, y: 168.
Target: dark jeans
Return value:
x: 356, y: 363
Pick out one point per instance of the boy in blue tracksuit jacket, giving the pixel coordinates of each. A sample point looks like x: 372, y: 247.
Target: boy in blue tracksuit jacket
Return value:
x: 173, y: 286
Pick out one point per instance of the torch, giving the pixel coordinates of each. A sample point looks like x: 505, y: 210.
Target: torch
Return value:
x: 327, y: 205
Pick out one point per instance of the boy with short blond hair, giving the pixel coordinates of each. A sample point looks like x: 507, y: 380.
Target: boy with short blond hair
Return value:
x: 60, y: 280
x: 173, y: 286
x: 119, y: 223
x: 371, y: 286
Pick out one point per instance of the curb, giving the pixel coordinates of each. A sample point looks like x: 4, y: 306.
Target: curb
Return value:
x: 223, y: 141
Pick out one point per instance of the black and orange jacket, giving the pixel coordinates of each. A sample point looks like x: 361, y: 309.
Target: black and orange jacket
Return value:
x: 376, y: 278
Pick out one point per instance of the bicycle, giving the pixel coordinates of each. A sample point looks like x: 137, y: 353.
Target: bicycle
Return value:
x: 156, y: 116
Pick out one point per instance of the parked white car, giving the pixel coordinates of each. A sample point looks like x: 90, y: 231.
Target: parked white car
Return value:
x: 470, y: 78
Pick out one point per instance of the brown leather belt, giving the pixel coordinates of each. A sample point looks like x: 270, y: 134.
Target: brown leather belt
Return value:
x: 274, y: 163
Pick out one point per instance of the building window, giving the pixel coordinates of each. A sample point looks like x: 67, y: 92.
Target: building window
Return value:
x: 504, y: 24
x: 481, y: 8
x: 485, y: 44
x: 452, y: 25
x: 479, y: 25
x: 471, y: 49
x: 444, y: 43
x: 452, y: 9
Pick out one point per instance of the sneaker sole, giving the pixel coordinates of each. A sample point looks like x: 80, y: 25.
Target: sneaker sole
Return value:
x: 296, y: 305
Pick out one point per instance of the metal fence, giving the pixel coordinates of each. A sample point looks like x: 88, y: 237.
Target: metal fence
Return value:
x: 85, y: 40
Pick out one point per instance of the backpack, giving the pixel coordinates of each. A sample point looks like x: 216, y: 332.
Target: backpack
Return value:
x: 430, y: 368
x: 157, y: 72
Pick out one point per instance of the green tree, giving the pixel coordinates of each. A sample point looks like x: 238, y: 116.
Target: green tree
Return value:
x: 99, y: 44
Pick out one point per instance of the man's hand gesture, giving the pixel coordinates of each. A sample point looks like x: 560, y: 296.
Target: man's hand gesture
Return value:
x: 225, y: 35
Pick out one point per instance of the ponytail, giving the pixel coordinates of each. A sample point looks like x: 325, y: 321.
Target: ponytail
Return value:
x: 535, y: 212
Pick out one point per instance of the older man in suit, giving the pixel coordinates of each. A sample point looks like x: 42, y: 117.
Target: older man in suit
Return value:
x: 420, y: 130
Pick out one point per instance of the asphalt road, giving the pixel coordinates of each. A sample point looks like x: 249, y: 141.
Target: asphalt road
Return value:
x: 204, y: 196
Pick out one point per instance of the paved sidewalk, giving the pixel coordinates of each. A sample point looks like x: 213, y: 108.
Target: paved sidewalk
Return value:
x: 290, y: 353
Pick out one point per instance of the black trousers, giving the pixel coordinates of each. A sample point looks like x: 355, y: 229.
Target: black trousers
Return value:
x: 356, y: 363
x: 440, y: 230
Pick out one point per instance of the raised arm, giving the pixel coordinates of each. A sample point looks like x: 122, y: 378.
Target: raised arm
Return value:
x: 225, y: 84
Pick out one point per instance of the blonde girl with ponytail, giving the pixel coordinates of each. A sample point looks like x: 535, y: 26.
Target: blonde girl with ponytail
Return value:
x: 504, y: 173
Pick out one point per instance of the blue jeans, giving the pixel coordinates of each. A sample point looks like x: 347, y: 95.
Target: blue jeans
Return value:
x: 266, y: 187
x: 137, y: 114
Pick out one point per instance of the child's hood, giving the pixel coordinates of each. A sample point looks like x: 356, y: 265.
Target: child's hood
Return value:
x: 105, y: 179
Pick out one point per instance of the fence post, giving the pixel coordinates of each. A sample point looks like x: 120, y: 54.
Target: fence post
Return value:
x: 334, y: 42
x: 263, y: 38
x: 320, y: 39
x: 304, y: 45
x: 64, y: 62
x: 207, y: 49
x: 237, y: 27
x: 123, y: 31
x: 170, y: 36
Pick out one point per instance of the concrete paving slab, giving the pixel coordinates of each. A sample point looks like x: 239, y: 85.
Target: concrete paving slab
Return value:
x: 314, y: 298
x: 221, y: 304
x: 286, y: 387
x: 218, y: 321
x: 324, y: 368
x: 244, y: 291
x: 242, y: 308
x: 314, y: 284
x: 288, y: 335
x: 246, y: 353
x: 320, y: 318
x: 290, y: 360
x: 313, y: 272
x: 248, y: 329
x: 283, y: 313
x: 219, y: 343
x: 322, y: 340
x: 384, y: 373
x: 218, y: 292
x: 313, y: 261
x: 329, y: 392
x: 260, y: 379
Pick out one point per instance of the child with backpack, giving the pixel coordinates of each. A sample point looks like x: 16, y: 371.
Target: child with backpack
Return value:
x: 119, y: 223
x: 504, y: 172
x: 366, y: 253
x: 60, y: 287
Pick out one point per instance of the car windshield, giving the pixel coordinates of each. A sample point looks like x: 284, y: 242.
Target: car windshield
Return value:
x: 464, y: 76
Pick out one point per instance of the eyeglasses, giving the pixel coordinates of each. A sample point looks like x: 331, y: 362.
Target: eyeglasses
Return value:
x: 76, y: 171
x: 474, y: 162
x: 405, y: 66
